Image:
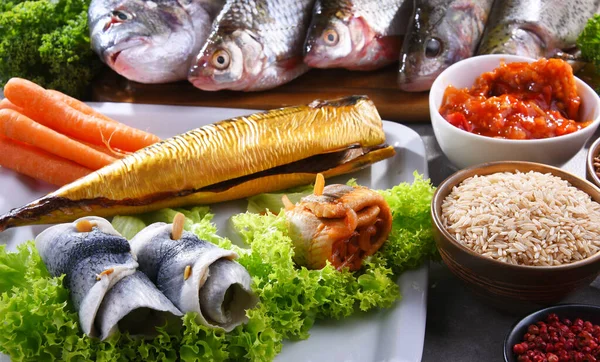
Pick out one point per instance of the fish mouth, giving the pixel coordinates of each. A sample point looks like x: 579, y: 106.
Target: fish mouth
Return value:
x: 419, y: 84
x: 113, y: 57
x: 205, y: 83
x: 112, y: 54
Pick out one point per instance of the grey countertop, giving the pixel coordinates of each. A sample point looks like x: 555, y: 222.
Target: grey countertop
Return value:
x: 461, y: 327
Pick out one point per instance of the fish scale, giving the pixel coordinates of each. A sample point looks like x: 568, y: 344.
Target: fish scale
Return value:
x: 378, y: 14
x: 535, y: 28
x: 267, y: 18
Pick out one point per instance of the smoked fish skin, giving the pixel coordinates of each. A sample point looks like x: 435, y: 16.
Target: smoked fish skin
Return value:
x: 213, y: 163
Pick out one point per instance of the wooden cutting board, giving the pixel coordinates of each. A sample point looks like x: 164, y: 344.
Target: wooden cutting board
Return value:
x: 380, y: 86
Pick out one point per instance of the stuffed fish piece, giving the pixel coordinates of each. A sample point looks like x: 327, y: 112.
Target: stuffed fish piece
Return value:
x: 194, y: 274
x: 108, y: 292
x: 339, y: 224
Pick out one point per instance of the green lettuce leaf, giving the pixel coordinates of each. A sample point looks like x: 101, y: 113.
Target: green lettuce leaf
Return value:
x: 272, y: 201
x: 128, y: 226
x: 411, y: 239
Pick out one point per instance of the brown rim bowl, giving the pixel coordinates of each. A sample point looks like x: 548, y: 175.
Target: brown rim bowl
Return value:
x: 590, y: 171
x: 501, y: 283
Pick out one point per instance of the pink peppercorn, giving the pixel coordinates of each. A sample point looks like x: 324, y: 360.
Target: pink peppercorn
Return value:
x: 556, y: 340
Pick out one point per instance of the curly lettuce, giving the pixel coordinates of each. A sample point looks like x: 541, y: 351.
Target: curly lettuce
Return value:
x: 588, y: 41
x: 47, y: 42
x: 40, y: 324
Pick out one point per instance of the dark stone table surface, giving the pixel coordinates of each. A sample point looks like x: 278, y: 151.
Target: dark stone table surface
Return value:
x: 460, y: 326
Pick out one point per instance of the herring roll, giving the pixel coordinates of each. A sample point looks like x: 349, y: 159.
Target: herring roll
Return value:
x: 100, y: 273
x: 196, y: 275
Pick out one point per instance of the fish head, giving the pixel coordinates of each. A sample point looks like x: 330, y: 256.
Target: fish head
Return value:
x: 437, y: 38
x: 229, y: 60
x: 143, y: 40
x: 330, y: 43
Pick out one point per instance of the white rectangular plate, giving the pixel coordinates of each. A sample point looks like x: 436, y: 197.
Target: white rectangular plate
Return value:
x: 389, y: 335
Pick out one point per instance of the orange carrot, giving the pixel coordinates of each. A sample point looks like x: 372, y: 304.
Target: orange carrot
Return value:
x: 18, y: 127
x: 78, y: 105
x: 38, y: 105
x: 6, y: 104
x: 39, y: 164
x: 111, y: 152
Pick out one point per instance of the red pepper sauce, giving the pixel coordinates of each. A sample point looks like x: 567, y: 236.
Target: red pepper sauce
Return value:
x: 517, y: 101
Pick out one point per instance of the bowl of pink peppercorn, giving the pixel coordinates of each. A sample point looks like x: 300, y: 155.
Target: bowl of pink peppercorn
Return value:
x: 562, y: 333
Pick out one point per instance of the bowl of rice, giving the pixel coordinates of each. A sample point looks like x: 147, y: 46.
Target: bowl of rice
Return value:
x: 518, y: 231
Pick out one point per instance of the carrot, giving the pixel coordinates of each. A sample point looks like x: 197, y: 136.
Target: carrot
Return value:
x: 39, y: 164
x: 78, y: 105
x: 109, y: 151
x: 38, y: 105
x: 18, y: 127
x: 6, y: 104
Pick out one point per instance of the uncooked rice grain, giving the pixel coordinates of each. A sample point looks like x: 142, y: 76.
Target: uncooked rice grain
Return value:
x: 523, y: 218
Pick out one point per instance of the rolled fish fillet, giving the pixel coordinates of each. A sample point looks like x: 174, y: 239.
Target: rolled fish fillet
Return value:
x: 340, y: 224
x: 195, y: 275
x: 100, y: 272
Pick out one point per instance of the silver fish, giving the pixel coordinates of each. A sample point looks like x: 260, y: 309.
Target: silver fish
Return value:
x: 356, y: 34
x: 107, y: 291
x: 150, y: 41
x: 254, y: 45
x: 535, y: 28
x: 441, y: 32
x: 195, y: 275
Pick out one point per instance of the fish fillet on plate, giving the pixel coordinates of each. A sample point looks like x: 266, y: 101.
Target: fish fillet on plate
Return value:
x: 195, y: 275
x: 101, y: 274
x: 228, y: 160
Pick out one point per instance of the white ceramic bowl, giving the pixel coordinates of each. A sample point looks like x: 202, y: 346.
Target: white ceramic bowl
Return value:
x: 466, y: 149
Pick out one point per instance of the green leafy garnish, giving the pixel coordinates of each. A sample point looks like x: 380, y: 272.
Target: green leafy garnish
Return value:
x: 589, y: 41
x: 47, y: 42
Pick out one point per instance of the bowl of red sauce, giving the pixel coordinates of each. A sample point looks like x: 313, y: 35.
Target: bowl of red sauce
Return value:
x: 511, y: 108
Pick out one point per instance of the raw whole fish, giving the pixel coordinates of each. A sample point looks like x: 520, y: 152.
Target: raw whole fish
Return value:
x: 100, y: 273
x: 535, y: 28
x: 254, y: 45
x: 441, y: 33
x: 150, y: 41
x: 195, y: 275
x: 232, y: 159
x: 356, y: 34
x: 340, y: 224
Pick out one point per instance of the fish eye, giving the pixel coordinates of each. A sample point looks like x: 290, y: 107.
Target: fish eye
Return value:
x: 330, y: 37
x: 433, y: 47
x: 221, y: 59
x: 121, y: 15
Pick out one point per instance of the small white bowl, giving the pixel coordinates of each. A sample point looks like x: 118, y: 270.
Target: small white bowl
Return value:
x: 466, y: 149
